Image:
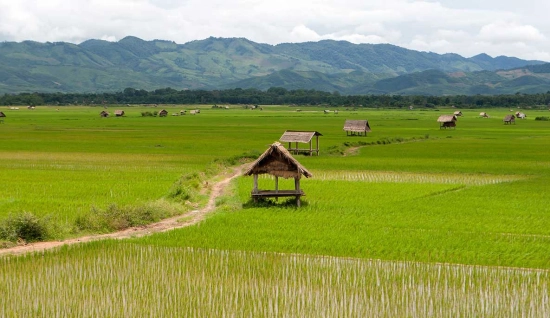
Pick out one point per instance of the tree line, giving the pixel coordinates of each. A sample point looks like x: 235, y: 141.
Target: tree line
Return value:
x: 274, y: 96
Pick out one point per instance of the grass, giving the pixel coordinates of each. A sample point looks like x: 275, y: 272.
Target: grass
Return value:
x: 375, y: 227
x: 117, y: 279
x: 429, y: 222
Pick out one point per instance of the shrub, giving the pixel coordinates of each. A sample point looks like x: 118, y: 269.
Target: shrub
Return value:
x: 542, y: 118
x: 24, y: 226
x: 116, y: 218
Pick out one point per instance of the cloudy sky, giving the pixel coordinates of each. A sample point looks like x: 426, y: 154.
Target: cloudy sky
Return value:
x: 467, y: 27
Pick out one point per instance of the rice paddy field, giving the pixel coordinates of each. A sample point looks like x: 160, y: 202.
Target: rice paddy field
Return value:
x: 408, y: 221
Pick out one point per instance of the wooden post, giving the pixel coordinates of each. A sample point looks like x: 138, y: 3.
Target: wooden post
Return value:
x: 317, y: 145
x: 296, y: 150
x: 276, y: 187
x: 310, y: 147
x: 297, y: 187
x: 255, y: 183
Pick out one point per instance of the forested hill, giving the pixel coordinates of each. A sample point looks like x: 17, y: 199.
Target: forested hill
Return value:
x: 222, y: 63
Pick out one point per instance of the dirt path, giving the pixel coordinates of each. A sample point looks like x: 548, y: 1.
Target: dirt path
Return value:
x: 191, y: 218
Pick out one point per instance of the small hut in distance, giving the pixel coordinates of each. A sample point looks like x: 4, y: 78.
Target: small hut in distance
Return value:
x: 104, y: 114
x: 292, y: 136
x: 447, y: 121
x: 356, y: 127
x: 163, y: 113
x: 119, y: 113
x: 509, y: 119
x: 520, y: 115
x: 484, y: 115
x: 278, y: 162
x: 458, y: 113
x: 2, y: 115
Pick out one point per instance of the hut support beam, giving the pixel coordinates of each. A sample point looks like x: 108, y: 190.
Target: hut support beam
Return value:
x: 317, y: 138
x: 276, y: 187
x: 255, y: 187
x: 297, y: 187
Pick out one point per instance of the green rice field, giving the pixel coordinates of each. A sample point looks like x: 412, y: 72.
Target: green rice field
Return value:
x: 408, y: 221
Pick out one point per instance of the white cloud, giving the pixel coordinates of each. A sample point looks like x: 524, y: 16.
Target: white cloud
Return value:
x: 468, y: 28
x: 503, y: 32
x: 301, y: 33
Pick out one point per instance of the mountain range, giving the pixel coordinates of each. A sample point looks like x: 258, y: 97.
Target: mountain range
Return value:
x: 225, y: 63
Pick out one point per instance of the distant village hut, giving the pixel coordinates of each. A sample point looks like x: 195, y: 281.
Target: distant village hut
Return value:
x: 458, y: 113
x: 182, y: 112
x: 356, y: 127
x: 278, y: 162
x: 163, y: 113
x: 306, y: 137
x: 104, y: 114
x: 2, y: 116
x: 447, y: 121
x: 520, y: 115
x: 119, y: 113
x: 484, y: 115
x: 509, y: 119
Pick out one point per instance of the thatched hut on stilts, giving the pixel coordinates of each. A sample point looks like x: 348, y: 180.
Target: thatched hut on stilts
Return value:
x: 278, y: 162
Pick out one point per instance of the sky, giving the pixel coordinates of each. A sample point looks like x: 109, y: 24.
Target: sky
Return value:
x: 466, y: 27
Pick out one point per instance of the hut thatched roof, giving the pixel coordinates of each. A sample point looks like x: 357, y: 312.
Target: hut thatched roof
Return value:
x: 509, y: 118
x: 2, y: 114
x: 277, y: 161
x: 458, y: 113
x: 357, y: 125
x: 446, y: 118
x: 119, y: 112
x: 298, y: 136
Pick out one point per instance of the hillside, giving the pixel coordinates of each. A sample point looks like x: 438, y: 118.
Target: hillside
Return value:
x: 216, y: 63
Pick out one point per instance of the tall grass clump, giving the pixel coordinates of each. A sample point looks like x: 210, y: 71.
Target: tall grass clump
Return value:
x: 24, y: 226
x: 186, y: 188
x: 115, y: 218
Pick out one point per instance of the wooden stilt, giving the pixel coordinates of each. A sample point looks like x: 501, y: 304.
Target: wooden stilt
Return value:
x: 255, y: 183
x: 317, y: 138
x: 276, y: 187
x: 297, y: 188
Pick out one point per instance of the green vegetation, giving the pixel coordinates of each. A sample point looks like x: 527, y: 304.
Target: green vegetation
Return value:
x: 282, y: 96
x: 409, y: 219
x: 24, y: 226
x: 116, y: 279
x: 220, y: 63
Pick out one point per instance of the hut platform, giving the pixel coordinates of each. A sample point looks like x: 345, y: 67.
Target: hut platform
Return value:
x: 277, y: 194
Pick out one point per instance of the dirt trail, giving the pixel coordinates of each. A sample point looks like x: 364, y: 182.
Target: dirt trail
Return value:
x: 192, y: 217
